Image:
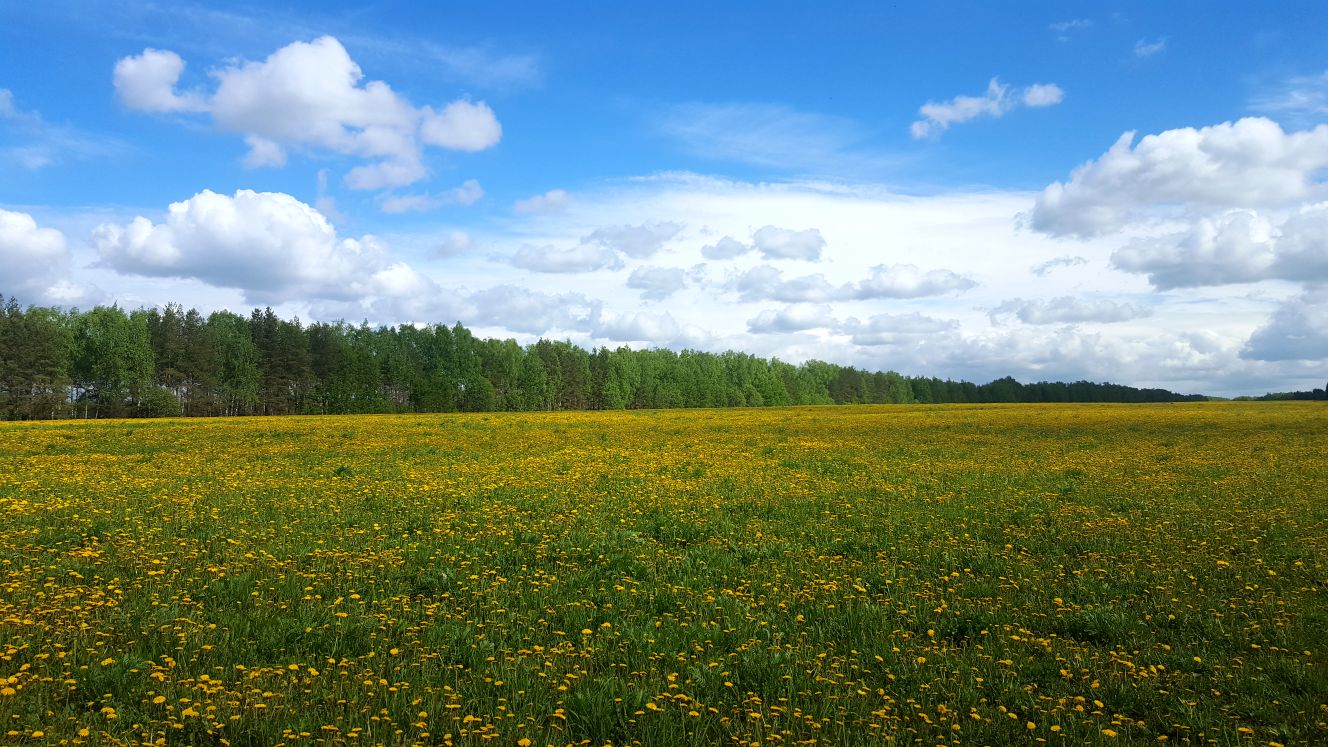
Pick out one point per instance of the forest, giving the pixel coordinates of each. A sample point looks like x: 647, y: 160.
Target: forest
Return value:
x: 107, y: 362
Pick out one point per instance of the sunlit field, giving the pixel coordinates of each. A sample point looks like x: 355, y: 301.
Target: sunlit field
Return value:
x: 833, y: 575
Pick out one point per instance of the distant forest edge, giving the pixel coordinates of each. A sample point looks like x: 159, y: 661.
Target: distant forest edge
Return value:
x: 153, y: 363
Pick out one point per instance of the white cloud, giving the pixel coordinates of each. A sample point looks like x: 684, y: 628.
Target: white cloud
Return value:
x: 896, y: 329
x: 583, y: 257
x: 469, y: 193
x: 1043, y: 94
x: 1239, y: 246
x: 1250, y: 163
x: 635, y: 241
x: 995, y: 102
x: 147, y: 82
x: 782, y: 243
x: 550, y: 202
x: 456, y: 242
x: 531, y: 312
x: 1145, y: 48
x: 909, y: 281
x: 792, y: 319
x: 1298, y: 330
x: 653, y: 329
x: 1069, y: 310
x: 764, y: 282
x: 34, y: 258
x: 269, y: 245
x: 657, y: 283
x: 1044, y: 268
x: 462, y: 125
x: 726, y: 248
x: 312, y: 95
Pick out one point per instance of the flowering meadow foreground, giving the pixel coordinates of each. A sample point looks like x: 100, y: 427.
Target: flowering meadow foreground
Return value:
x: 1066, y: 574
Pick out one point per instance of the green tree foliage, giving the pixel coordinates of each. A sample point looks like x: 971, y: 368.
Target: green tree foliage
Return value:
x: 171, y: 361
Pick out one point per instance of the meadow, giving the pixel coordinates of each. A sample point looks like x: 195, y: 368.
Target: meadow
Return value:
x: 955, y: 574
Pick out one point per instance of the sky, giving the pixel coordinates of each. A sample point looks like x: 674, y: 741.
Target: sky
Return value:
x: 1128, y: 192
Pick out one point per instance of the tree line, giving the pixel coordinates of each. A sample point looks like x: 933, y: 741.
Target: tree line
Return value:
x: 108, y: 362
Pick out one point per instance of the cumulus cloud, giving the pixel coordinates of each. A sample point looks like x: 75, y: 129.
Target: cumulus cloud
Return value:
x: 1068, y: 310
x: 583, y: 257
x: 1043, y: 94
x: 792, y: 319
x: 997, y: 101
x: 909, y: 281
x: 33, y: 257
x: 726, y: 248
x: 531, y: 312
x: 1239, y: 246
x: 1041, y: 270
x: 461, y: 125
x: 469, y: 193
x: 896, y: 329
x: 549, y: 202
x: 269, y: 245
x: 782, y: 243
x: 763, y: 282
x: 635, y: 241
x: 147, y: 82
x: 456, y: 242
x: 1250, y: 163
x: 312, y: 95
x: 1298, y: 330
x: 657, y: 283
x: 657, y: 329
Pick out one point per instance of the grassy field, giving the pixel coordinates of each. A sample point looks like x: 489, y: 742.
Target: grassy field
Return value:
x: 937, y: 575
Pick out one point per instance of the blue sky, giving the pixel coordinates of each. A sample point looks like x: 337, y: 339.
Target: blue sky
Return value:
x: 938, y: 188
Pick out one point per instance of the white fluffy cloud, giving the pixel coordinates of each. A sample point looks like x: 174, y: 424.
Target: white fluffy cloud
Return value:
x: 1240, y: 246
x: 897, y: 329
x: 773, y: 243
x: 794, y: 318
x: 1069, y: 310
x: 34, y: 258
x: 997, y: 101
x: 312, y: 95
x: 147, y: 82
x: 461, y: 125
x: 269, y: 245
x: 657, y: 283
x: 653, y: 329
x: 766, y: 283
x: 549, y: 202
x: 1298, y: 330
x: 909, y: 281
x: 1250, y: 163
x: 635, y: 241
x: 783, y: 243
x: 726, y: 248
